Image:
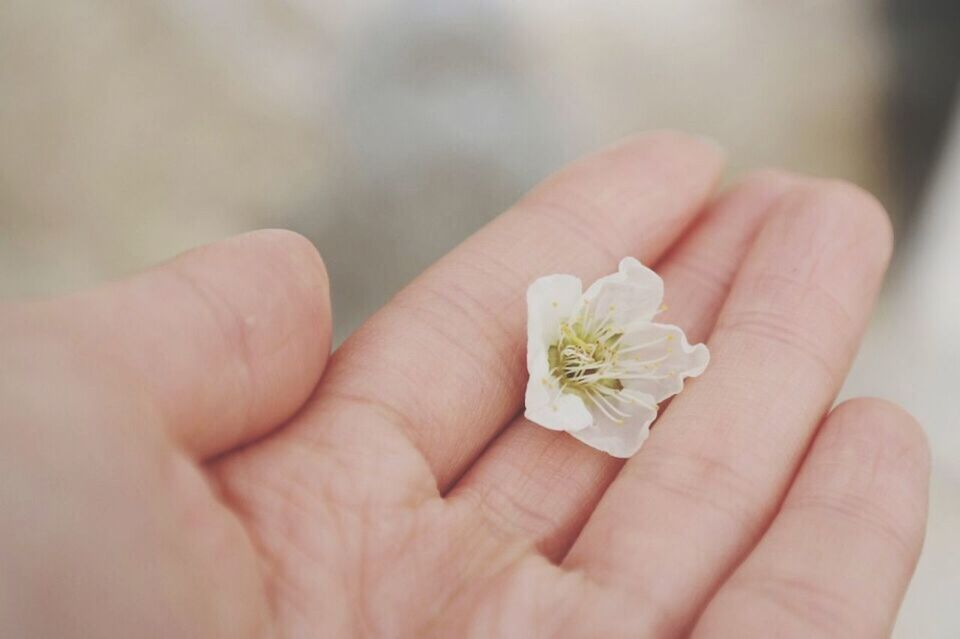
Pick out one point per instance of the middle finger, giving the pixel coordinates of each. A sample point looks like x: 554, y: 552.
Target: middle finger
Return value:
x: 541, y: 485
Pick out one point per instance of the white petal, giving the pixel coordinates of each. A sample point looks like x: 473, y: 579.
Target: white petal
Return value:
x: 567, y: 413
x: 560, y: 411
x: 633, y: 294
x: 550, y: 300
x: 619, y: 440
x: 542, y: 388
x: 679, y: 359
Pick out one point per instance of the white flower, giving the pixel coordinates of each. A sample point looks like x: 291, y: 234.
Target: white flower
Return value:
x: 598, y: 363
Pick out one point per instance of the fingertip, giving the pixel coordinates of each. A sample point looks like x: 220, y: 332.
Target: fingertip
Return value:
x: 767, y: 180
x: 754, y: 196
x: 274, y: 270
x: 284, y: 252
x: 661, y: 177
x: 672, y: 138
x: 229, y: 339
x: 882, y: 430
x: 269, y: 293
x: 848, y: 212
x: 299, y: 253
x: 668, y: 144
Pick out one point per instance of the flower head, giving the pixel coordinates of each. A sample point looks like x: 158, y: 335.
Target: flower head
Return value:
x: 598, y: 363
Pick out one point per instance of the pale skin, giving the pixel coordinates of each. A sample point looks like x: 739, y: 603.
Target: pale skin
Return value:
x: 182, y: 458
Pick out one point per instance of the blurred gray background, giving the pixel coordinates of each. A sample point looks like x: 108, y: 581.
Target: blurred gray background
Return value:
x: 387, y: 131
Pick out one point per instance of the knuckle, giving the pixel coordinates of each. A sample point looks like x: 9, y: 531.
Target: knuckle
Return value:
x: 809, y: 602
x: 571, y: 216
x: 865, y: 513
x: 508, y: 516
x: 783, y: 329
x: 446, y: 310
x: 703, y: 275
x: 700, y: 478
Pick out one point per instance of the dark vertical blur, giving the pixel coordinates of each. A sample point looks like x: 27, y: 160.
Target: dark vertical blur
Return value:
x: 926, y: 46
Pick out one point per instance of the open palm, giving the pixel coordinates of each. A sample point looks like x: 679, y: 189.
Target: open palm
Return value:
x: 180, y: 458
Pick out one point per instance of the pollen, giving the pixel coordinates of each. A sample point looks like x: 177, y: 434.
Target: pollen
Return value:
x: 587, y: 360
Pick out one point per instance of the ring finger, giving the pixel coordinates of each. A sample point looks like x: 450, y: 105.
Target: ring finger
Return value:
x: 689, y: 506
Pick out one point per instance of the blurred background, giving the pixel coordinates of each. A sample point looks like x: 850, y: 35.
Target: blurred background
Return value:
x: 387, y: 131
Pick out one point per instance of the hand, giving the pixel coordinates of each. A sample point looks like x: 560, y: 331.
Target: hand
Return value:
x: 181, y: 459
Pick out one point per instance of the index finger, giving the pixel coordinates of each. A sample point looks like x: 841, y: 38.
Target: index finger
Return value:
x: 442, y: 365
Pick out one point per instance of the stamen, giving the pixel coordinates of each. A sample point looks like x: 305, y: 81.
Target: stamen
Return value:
x: 638, y: 347
x: 595, y: 397
x: 632, y: 397
x: 589, y: 359
x: 652, y: 362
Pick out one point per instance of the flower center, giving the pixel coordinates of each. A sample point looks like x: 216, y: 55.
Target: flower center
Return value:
x: 589, y: 360
x: 582, y: 358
